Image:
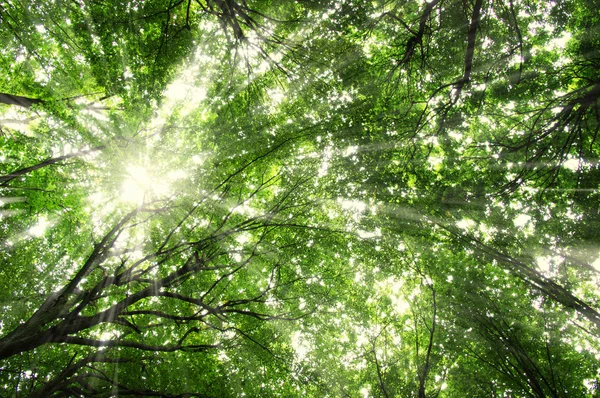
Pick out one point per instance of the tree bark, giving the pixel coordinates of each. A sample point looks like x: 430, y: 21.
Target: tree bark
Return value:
x: 25, y: 102
x: 535, y: 279
x: 427, y: 366
x: 471, y: 37
x: 5, y: 179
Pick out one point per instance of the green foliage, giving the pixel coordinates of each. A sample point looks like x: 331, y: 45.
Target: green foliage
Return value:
x: 287, y: 199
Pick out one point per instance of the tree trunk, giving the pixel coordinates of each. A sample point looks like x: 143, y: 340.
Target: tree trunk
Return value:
x: 25, y: 102
x: 5, y: 179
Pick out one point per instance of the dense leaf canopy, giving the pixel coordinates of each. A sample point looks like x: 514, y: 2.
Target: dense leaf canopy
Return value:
x: 267, y: 198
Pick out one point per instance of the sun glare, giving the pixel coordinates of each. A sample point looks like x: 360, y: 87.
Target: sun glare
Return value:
x: 139, y: 184
x: 40, y: 228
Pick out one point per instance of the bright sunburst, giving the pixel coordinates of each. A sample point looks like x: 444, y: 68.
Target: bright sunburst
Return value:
x: 139, y: 185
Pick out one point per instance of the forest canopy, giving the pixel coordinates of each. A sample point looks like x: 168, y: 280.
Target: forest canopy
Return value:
x: 228, y: 198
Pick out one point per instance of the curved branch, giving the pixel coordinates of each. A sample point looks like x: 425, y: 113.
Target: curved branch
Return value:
x: 140, y: 346
x: 5, y: 179
x: 417, y: 37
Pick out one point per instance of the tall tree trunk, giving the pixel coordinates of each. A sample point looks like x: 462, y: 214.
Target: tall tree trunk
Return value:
x: 25, y: 102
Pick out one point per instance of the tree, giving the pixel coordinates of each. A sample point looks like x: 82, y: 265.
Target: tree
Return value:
x: 263, y: 198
